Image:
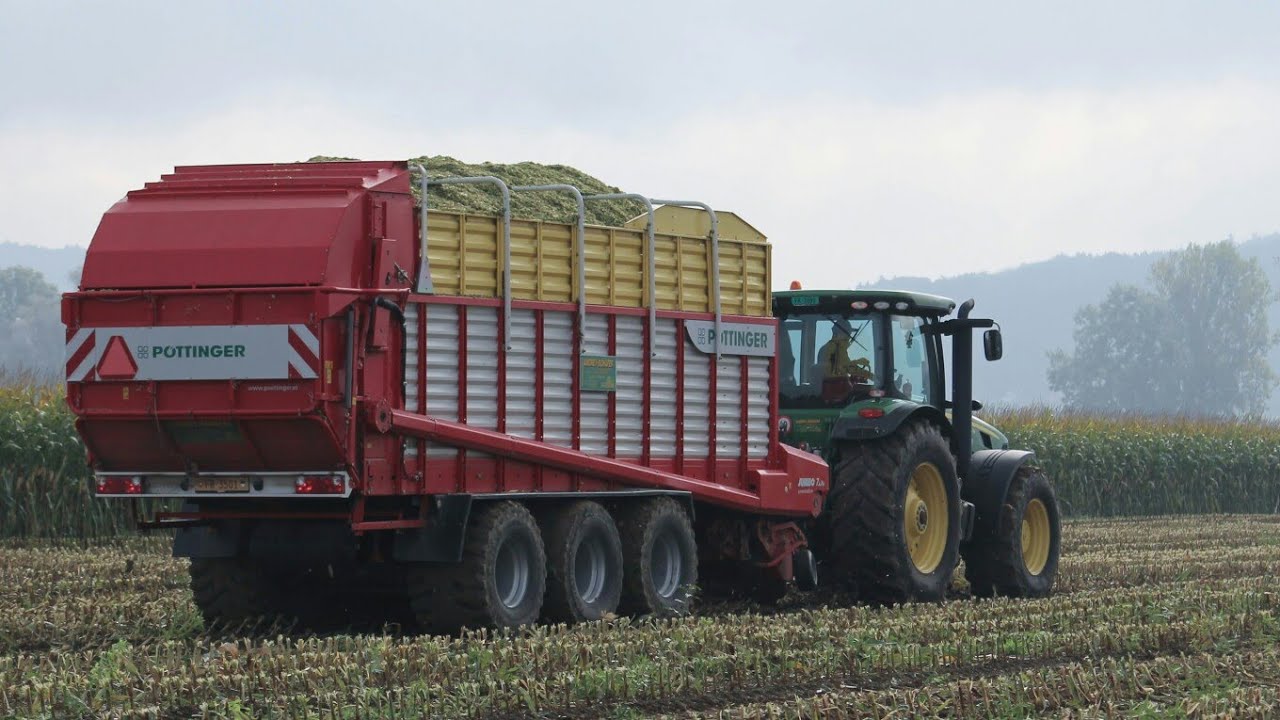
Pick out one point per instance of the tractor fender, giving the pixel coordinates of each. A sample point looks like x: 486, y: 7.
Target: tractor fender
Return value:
x: 990, y: 474
x: 852, y: 426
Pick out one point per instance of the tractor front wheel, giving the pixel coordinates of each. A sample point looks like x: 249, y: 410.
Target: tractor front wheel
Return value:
x: 894, y: 516
x: 1021, y: 560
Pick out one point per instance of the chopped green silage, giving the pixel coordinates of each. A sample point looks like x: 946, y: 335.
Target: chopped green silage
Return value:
x: 485, y: 199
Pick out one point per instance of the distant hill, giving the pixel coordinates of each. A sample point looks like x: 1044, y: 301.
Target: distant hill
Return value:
x: 56, y: 264
x: 1035, y: 305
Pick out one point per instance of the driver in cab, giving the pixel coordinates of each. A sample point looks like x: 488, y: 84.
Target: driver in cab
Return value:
x: 834, y: 358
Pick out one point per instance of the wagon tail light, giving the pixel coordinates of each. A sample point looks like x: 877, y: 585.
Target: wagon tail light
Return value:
x: 119, y: 485
x: 320, y: 485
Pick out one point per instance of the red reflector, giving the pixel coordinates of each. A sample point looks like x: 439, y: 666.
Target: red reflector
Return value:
x: 871, y: 413
x: 319, y: 485
x: 117, y: 361
x: 118, y: 485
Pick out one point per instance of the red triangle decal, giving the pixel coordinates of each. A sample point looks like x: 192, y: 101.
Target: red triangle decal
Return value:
x: 117, y: 361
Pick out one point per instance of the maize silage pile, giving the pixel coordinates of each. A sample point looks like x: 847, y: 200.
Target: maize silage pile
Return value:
x: 485, y: 199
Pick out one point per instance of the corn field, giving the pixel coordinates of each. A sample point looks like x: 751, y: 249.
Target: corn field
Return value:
x: 44, y: 483
x: 1152, y: 617
x: 1151, y: 466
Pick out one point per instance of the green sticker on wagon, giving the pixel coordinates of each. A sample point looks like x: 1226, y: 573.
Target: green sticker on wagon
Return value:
x: 598, y: 373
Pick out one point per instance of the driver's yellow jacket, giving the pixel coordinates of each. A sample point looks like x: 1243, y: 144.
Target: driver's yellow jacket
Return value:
x: 834, y: 357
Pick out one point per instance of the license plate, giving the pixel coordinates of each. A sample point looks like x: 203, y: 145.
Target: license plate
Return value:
x: 220, y: 484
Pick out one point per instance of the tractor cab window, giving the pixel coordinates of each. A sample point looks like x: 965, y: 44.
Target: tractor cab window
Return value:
x: 829, y: 359
x: 911, y: 364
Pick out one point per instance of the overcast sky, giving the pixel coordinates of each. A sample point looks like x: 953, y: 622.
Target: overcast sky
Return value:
x: 864, y: 139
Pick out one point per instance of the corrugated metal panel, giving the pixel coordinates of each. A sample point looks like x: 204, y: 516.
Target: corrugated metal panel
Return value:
x: 729, y: 407
x: 441, y: 347
x: 442, y: 367
x: 662, y: 388
x: 522, y: 374
x: 482, y: 367
x: 697, y: 407
x: 593, y: 407
x: 629, y: 412
x: 557, y: 378
x: 411, y: 351
x: 757, y: 407
x: 463, y: 252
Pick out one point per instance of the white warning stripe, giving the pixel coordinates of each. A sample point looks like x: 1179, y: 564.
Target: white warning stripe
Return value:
x: 76, y: 341
x: 300, y: 366
x: 307, y: 337
x: 90, y: 361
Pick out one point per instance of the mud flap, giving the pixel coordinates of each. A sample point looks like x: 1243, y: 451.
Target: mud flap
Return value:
x: 967, y: 513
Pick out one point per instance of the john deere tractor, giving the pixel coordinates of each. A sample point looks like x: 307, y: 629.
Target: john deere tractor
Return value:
x: 917, y: 482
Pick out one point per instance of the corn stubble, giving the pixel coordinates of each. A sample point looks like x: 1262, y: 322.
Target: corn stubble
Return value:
x: 1163, y: 616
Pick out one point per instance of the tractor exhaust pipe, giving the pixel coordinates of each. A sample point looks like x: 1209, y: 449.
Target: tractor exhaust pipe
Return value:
x: 962, y: 389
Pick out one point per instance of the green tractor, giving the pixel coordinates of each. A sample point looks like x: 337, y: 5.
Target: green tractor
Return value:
x: 917, y: 483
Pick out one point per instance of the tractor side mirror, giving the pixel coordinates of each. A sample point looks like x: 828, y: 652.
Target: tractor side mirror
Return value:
x: 993, y: 344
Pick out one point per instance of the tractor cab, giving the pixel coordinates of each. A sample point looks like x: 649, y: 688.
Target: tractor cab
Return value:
x: 841, y: 348
x: 860, y: 362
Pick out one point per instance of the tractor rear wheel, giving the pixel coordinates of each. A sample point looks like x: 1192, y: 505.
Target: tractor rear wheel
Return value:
x: 894, y: 516
x: 584, y: 563
x: 1022, y: 559
x: 499, y: 582
x: 659, y: 558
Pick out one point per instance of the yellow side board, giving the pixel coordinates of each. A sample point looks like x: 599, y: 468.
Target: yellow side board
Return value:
x: 464, y: 254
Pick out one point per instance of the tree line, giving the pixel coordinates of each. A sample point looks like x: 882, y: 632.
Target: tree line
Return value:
x: 32, y: 338
x: 1193, y: 342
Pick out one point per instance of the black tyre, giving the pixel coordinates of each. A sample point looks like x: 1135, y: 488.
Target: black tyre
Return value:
x: 233, y: 592
x: 659, y: 559
x: 893, y: 517
x: 584, y: 563
x: 499, y: 583
x: 1022, y: 559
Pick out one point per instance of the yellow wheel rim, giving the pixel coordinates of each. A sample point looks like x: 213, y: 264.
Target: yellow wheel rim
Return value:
x: 1035, y: 537
x: 925, y: 518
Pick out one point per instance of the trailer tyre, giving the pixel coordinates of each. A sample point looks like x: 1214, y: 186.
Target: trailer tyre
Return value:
x: 232, y: 592
x: 1022, y: 559
x: 584, y: 563
x: 894, y: 516
x: 499, y: 583
x: 659, y: 559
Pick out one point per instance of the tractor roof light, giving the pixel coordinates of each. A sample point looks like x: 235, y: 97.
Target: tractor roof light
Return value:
x: 858, y: 304
x: 795, y: 285
x: 901, y: 306
x: 881, y: 305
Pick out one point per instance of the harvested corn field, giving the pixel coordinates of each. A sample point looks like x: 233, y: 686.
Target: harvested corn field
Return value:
x: 1152, y: 617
